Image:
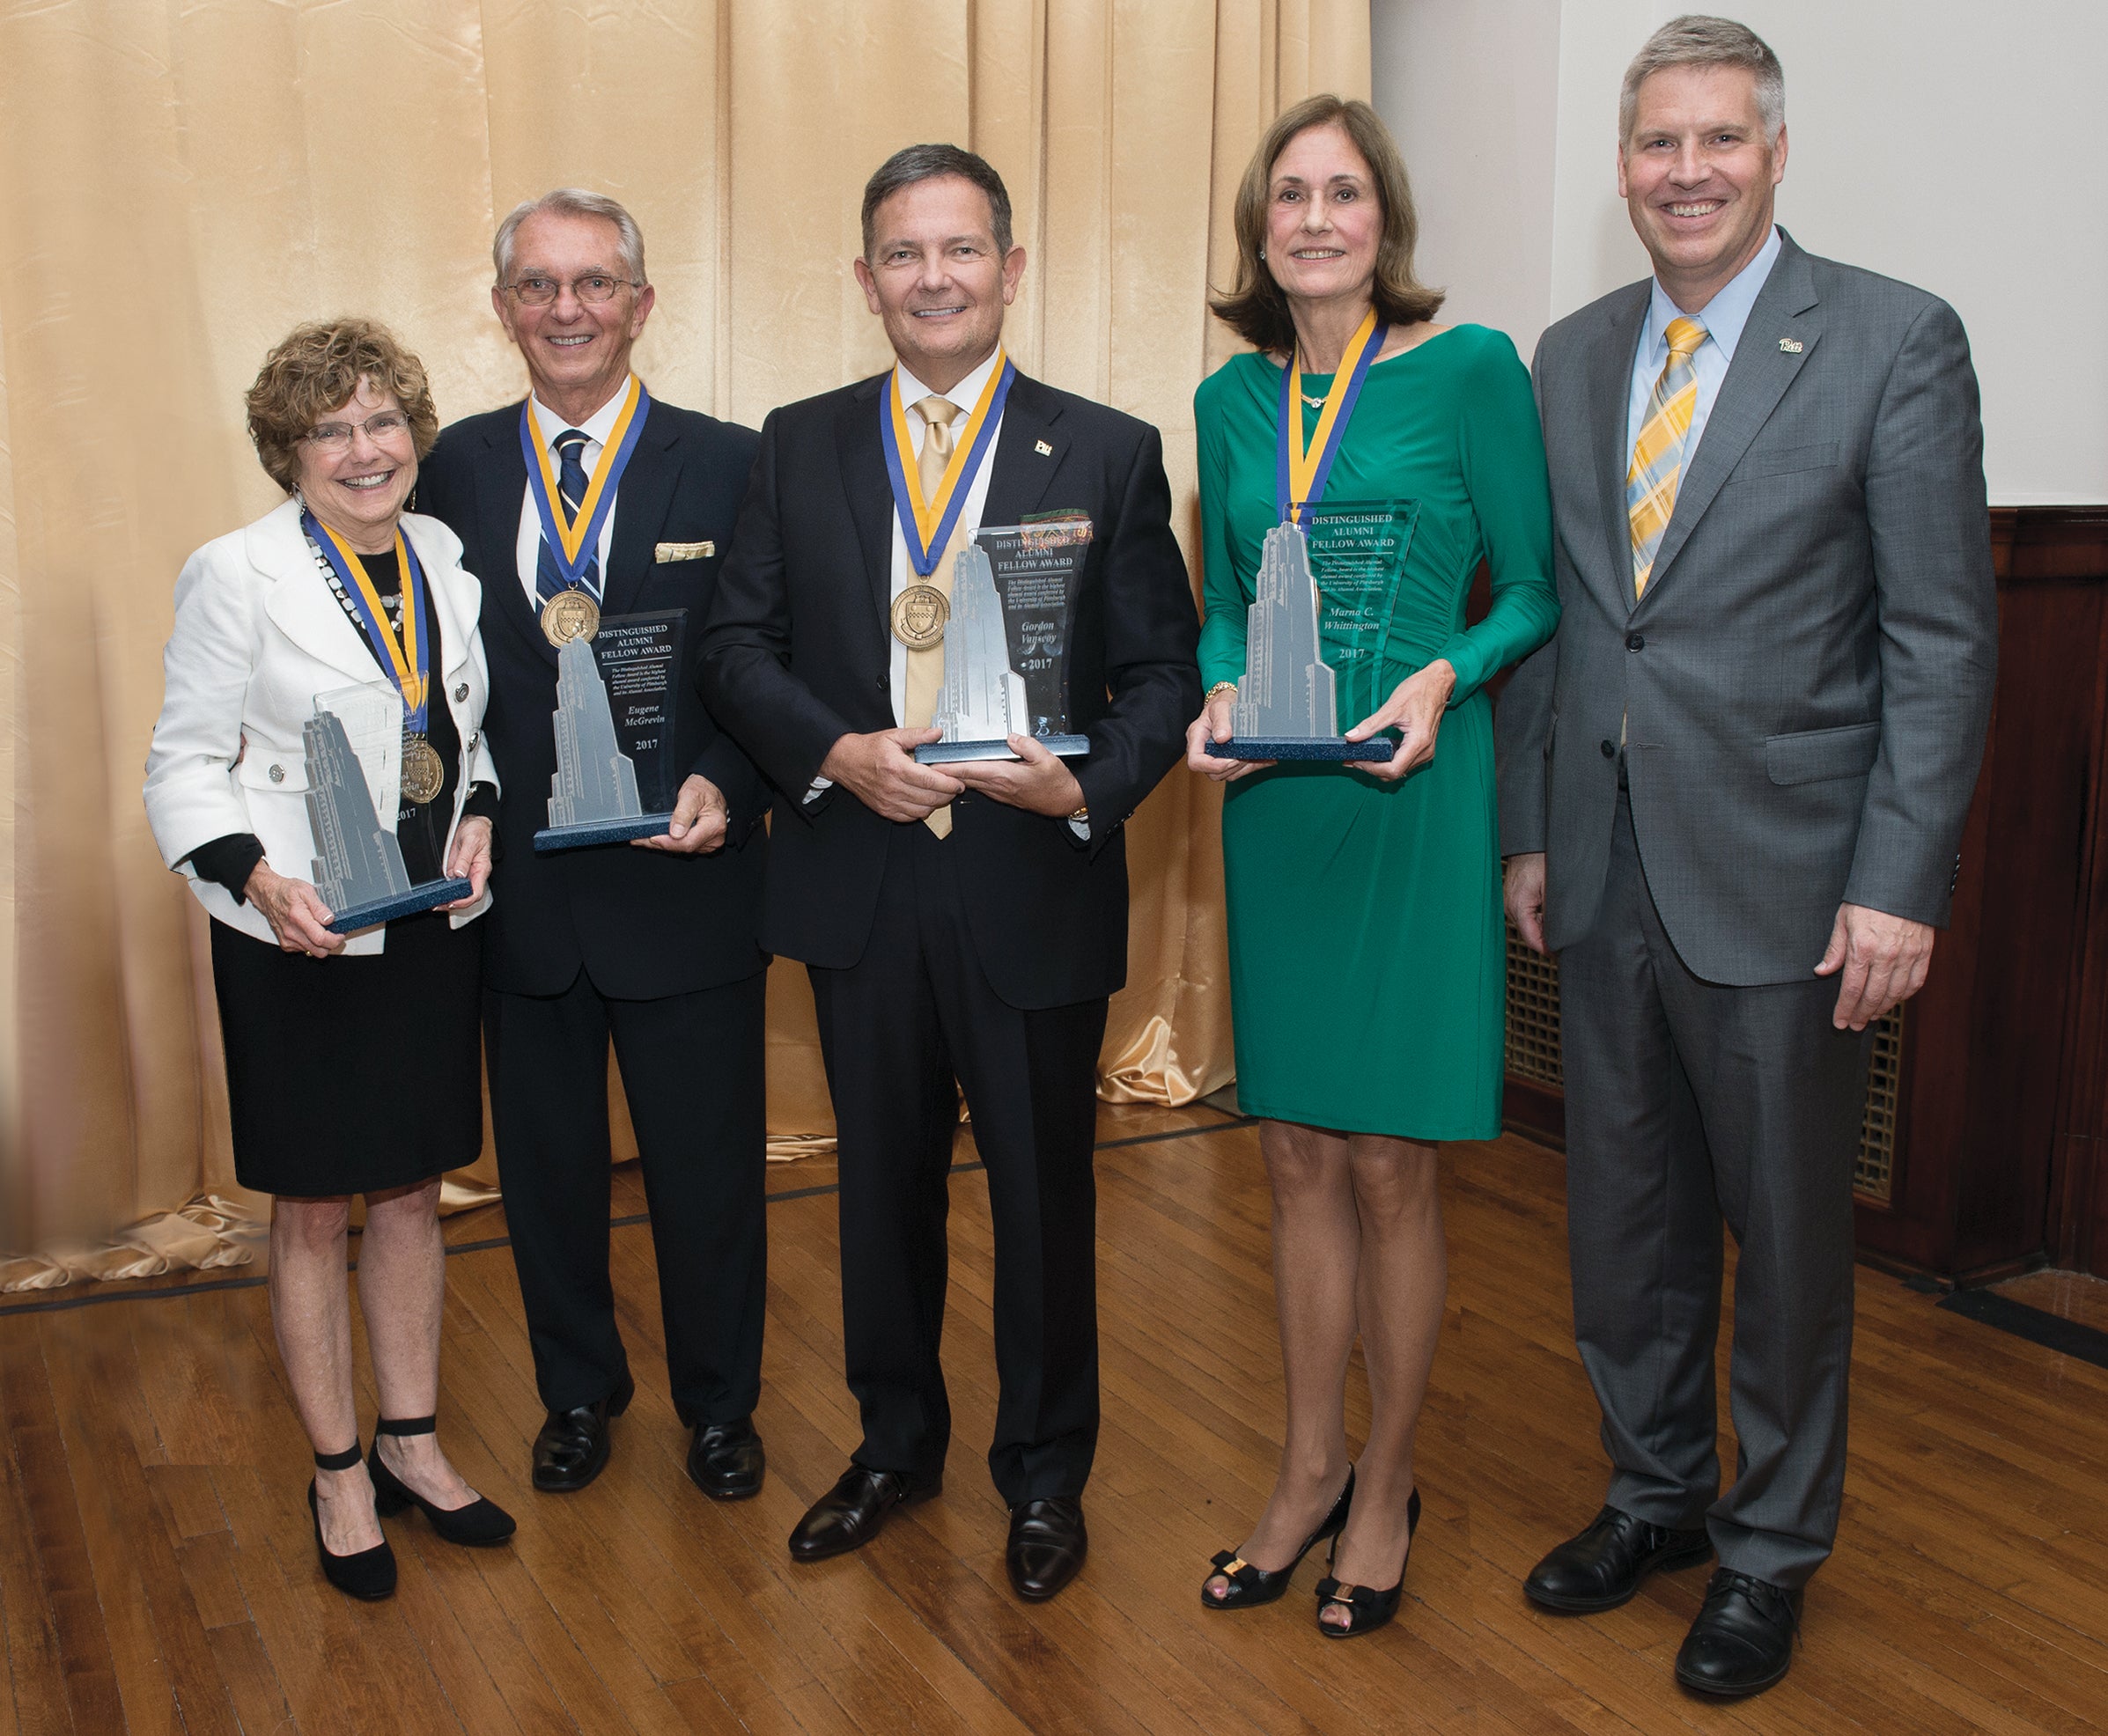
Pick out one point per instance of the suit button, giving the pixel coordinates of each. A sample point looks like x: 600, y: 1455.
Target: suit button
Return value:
x: 1633, y: 642
x: 884, y: 684
x: 460, y: 694
x: 277, y: 774
x: 1610, y: 750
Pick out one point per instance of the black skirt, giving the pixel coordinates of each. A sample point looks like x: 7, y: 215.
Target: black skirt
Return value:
x: 352, y: 1075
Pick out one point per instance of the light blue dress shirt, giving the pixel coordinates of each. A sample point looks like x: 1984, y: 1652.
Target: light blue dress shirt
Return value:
x: 1723, y: 318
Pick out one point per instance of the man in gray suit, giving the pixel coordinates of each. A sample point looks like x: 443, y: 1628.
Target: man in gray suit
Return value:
x: 1732, y: 790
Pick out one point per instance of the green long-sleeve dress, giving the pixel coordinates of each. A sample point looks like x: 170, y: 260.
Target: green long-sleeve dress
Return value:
x: 1367, y: 952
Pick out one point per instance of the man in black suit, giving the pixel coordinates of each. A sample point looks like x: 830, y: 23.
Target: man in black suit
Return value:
x: 960, y: 922
x: 653, y: 942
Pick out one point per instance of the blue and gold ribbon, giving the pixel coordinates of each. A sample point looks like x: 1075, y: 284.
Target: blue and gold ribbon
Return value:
x: 1301, y: 469
x: 573, y: 541
x: 408, y: 658
x: 926, y: 525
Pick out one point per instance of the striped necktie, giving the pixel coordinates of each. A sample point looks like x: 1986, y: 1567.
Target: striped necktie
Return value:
x: 570, y: 447
x: 925, y: 669
x: 1650, y: 483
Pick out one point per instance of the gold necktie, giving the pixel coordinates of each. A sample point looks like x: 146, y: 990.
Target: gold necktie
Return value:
x: 1657, y: 465
x: 925, y: 669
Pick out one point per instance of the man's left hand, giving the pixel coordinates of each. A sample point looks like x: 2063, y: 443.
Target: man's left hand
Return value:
x: 700, y: 816
x: 1884, y: 960
x: 1036, y: 781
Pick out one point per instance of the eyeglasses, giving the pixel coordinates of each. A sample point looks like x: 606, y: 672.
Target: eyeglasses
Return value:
x: 335, y: 437
x: 539, y: 291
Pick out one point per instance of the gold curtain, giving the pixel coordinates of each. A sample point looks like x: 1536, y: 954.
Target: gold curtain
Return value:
x: 179, y: 185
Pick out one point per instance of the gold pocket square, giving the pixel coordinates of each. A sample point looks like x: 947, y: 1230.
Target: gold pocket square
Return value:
x: 684, y: 551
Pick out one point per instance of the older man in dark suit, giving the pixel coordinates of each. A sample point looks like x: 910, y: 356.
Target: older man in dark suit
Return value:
x: 653, y: 942
x: 963, y: 921
x: 1732, y: 790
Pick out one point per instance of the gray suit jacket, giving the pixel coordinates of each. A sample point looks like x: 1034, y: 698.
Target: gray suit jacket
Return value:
x: 1807, y: 682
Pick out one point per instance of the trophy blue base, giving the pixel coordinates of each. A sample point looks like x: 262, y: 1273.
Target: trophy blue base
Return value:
x: 601, y: 832
x: 379, y: 911
x: 1335, y: 748
x: 950, y: 753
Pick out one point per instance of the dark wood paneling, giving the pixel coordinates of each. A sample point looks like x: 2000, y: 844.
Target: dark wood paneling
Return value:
x: 1987, y: 1041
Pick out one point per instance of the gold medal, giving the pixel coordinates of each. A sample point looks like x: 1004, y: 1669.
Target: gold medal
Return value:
x: 567, y: 616
x: 919, y: 617
x: 423, y: 777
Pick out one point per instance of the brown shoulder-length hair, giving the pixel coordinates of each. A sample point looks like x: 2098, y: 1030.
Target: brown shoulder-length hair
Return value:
x: 1255, y: 308
x: 314, y: 370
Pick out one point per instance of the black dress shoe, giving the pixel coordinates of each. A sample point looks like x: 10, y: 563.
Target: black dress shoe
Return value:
x: 572, y: 1449
x: 724, y: 1460
x: 1603, y: 1566
x: 1742, y: 1641
x: 1047, y: 1546
x: 852, y: 1513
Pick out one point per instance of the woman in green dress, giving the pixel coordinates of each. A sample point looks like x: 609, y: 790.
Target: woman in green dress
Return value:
x: 1366, y: 945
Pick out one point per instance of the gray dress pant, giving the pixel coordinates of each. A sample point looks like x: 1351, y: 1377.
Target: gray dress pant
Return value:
x: 1687, y: 1103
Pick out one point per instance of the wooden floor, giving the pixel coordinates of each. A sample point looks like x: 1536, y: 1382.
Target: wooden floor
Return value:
x: 157, y: 1572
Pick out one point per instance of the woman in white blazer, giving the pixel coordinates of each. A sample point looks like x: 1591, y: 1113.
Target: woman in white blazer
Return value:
x: 352, y: 1064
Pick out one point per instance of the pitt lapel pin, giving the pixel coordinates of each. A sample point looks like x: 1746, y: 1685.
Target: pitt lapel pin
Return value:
x: 1790, y: 345
x: 1043, y: 448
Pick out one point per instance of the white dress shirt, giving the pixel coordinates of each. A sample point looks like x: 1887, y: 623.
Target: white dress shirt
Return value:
x: 596, y: 429
x: 1723, y: 318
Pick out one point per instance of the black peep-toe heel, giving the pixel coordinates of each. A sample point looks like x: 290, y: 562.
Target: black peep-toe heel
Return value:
x: 1250, y: 1586
x: 479, y: 1524
x: 1368, y: 1608
x: 369, y: 1574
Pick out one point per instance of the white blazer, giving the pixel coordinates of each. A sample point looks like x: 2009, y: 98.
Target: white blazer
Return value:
x: 258, y: 635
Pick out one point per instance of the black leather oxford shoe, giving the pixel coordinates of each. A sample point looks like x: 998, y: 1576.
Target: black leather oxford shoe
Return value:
x: 853, y: 1511
x: 1603, y: 1566
x: 724, y: 1460
x: 572, y: 1449
x: 1047, y: 1546
x: 1742, y: 1641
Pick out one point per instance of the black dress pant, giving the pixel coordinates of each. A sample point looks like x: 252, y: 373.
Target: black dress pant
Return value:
x: 692, y: 1070
x: 895, y: 1029
x: 1689, y: 1103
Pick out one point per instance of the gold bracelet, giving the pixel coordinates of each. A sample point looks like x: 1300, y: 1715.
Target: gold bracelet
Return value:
x: 1219, y: 686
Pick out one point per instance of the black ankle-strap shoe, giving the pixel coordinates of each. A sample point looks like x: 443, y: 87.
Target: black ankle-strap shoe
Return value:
x: 369, y: 1573
x: 478, y: 1524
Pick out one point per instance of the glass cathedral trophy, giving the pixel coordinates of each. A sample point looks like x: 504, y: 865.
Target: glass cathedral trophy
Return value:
x: 354, y: 744
x: 1006, y: 642
x: 616, y: 694
x: 1315, y: 636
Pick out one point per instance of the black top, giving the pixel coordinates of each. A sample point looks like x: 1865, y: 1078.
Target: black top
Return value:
x: 421, y: 828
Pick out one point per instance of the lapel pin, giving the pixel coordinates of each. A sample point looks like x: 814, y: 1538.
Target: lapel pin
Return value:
x: 1043, y: 448
x: 1790, y: 345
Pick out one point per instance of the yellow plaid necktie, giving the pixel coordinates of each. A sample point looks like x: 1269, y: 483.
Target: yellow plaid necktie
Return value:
x: 1650, y: 483
x: 925, y: 669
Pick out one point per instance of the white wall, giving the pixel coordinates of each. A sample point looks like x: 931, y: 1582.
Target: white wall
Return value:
x: 1956, y: 146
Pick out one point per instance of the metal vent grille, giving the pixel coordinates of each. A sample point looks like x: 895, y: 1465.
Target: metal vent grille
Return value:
x: 1533, y: 1014
x: 1533, y: 1054
x: 1874, y: 1173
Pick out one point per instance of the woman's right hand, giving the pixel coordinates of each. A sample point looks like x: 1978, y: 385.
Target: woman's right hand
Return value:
x: 1213, y: 725
x: 295, y: 911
